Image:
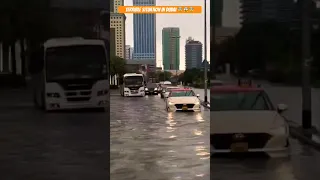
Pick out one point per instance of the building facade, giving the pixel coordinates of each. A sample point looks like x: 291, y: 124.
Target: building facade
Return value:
x: 129, y: 52
x: 193, y: 51
x: 144, y: 33
x: 260, y: 10
x: 117, y: 22
x: 216, y: 15
x: 171, y: 48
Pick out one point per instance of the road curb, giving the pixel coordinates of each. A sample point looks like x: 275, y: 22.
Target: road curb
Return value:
x: 304, y: 137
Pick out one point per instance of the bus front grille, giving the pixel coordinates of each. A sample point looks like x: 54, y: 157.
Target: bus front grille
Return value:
x: 78, y: 99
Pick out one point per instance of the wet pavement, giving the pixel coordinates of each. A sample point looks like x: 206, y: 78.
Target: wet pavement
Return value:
x: 51, y: 146
x: 147, y: 142
x: 303, y: 164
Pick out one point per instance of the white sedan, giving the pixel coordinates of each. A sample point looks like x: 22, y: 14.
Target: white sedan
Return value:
x: 182, y: 100
x: 244, y: 120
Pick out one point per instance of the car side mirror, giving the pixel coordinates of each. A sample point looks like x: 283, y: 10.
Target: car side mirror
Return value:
x: 198, y: 95
x: 281, y: 108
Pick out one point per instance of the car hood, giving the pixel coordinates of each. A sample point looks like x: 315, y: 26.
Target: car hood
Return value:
x: 183, y: 100
x: 244, y: 121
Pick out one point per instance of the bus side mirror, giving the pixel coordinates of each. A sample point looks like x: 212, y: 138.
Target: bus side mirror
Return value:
x: 36, y: 61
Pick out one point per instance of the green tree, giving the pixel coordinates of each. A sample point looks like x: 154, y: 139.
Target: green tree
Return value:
x: 256, y: 46
x: 117, y: 66
x: 163, y: 76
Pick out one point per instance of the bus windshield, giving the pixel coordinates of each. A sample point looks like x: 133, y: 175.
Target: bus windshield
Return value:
x: 76, y: 62
x: 133, y: 80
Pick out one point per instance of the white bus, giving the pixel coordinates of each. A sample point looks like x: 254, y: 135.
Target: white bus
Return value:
x: 133, y: 85
x: 70, y: 73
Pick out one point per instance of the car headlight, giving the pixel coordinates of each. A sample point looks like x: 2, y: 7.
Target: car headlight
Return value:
x: 155, y: 89
x: 279, y: 130
x: 170, y: 103
x: 197, y: 103
x: 146, y: 89
x: 53, y: 95
x: 102, y: 92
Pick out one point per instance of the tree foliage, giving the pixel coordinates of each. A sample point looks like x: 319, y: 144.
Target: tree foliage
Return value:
x: 272, y: 47
x: 117, y: 66
x: 193, y: 76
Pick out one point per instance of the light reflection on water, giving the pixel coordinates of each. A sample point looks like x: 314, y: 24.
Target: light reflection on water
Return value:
x: 153, y: 144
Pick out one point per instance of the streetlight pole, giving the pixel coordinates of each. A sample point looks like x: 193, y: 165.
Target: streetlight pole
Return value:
x: 205, y: 54
x: 306, y: 60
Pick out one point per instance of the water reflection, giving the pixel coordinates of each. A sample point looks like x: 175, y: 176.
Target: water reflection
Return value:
x: 177, y: 143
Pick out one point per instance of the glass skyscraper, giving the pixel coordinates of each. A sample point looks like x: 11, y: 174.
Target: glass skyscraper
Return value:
x: 144, y: 33
x: 171, y: 48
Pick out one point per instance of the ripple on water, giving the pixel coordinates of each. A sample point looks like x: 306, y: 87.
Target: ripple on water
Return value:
x: 149, y: 143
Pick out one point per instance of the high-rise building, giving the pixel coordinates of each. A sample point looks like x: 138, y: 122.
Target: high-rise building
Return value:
x: 112, y: 41
x: 117, y: 21
x: 193, y: 50
x: 144, y: 33
x: 217, y: 9
x: 129, y: 52
x: 171, y: 48
x: 260, y: 10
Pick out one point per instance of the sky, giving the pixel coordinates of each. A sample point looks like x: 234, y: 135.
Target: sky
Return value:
x: 191, y: 25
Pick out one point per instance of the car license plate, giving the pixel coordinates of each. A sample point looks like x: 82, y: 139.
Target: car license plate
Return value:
x: 184, y: 107
x: 134, y: 92
x: 239, y: 147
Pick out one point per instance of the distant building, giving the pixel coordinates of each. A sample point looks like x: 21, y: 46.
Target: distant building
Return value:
x: 129, y: 52
x: 260, y: 10
x: 113, y: 42
x: 144, y: 33
x: 223, y: 33
x: 171, y: 48
x: 193, y: 51
x: 118, y: 23
x: 217, y: 10
x: 135, y: 65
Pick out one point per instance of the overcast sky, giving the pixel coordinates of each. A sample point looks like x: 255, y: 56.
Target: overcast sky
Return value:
x: 189, y: 24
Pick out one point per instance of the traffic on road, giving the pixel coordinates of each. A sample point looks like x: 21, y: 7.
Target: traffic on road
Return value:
x: 300, y: 162
x: 150, y: 142
x: 245, y: 120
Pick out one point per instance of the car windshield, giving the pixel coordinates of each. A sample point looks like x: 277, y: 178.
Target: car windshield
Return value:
x: 228, y: 101
x: 133, y: 80
x: 181, y: 93
x: 76, y: 62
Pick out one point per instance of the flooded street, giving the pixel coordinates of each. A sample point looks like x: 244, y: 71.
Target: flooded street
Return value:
x: 51, y: 146
x: 149, y: 143
x: 303, y: 164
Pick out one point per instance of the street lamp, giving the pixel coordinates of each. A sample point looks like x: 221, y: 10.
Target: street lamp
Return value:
x: 205, y: 54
